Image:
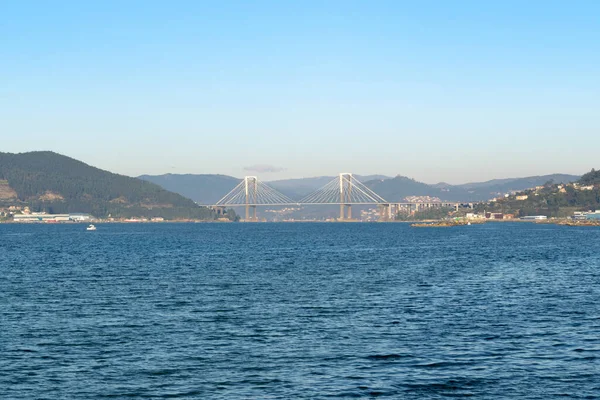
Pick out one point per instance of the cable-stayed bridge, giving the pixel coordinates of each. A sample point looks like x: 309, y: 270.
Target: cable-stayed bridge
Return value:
x: 344, y: 190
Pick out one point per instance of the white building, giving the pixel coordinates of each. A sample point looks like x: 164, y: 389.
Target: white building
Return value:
x: 80, y: 217
x: 534, y: 217
x: 43, y: 217
x: 38, y: 217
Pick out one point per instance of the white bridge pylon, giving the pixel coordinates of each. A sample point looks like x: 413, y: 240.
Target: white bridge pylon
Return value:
x: 251, y: 192
x: 254, y: 192
x: 344, y: 190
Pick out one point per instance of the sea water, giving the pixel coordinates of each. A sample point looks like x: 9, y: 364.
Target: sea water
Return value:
x: 299, y: 310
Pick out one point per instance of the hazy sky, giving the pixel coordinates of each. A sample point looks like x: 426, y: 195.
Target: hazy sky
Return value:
x: 450, y: 91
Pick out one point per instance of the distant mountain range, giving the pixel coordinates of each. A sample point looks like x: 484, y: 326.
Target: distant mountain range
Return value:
x: 208, y: 189
x: 495, y: 187
x: 298, y: 188
x: 202, y: 188
x: 51, y: 182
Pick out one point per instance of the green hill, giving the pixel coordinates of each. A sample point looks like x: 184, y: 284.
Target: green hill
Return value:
x: 47, y: 181
x: 591, y: 178
x: 552, y: 199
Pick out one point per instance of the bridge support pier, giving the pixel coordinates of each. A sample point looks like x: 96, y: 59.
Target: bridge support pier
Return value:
x: 346, y: 184
x: 394, y: 211
x: 384, y: 212
x: 251, y: 213
x: 345, y: 211
x: 219, y: 210
x: 251, y: 192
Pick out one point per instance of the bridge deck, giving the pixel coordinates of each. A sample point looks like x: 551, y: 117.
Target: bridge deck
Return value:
x: 453, y: 203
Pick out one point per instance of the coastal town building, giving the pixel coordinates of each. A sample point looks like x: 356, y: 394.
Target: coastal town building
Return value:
x: 595, y: 215
x: 422, y: 199
x: 491, y: 215
x: 474, y: 216
x: 589, y: 215
x: 43, y: 217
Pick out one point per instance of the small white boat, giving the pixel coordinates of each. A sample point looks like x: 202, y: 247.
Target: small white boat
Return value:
x: 468, y: 223
x: 91, y: 228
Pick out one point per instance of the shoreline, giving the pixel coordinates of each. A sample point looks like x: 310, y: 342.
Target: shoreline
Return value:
x: 429, y: 222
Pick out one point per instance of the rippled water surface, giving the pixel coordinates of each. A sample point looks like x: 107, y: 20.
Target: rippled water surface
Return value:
x: 288, y: 311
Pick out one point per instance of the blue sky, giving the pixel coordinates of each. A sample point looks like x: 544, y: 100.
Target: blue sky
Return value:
x: 434, y: 90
